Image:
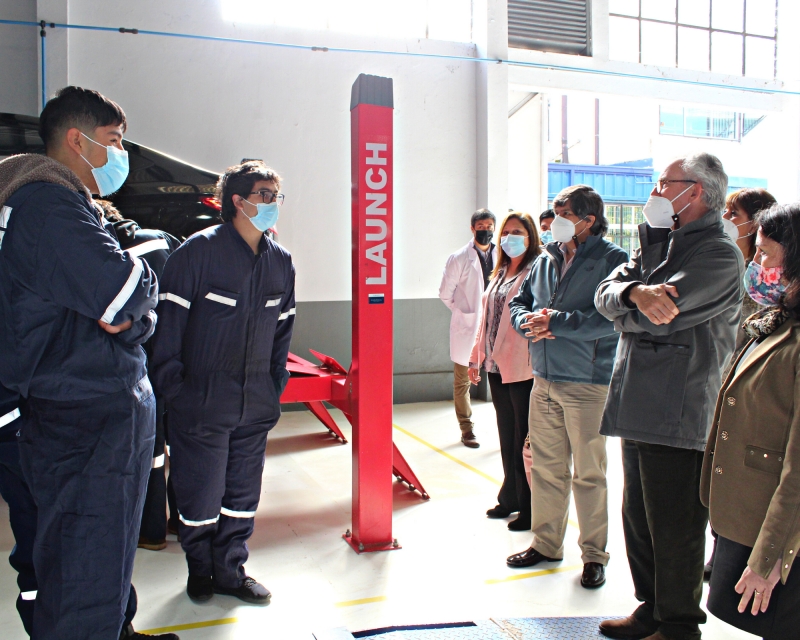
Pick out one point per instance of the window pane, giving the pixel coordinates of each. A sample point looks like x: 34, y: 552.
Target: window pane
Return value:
x: 759, y: 57
x: 726, y: 53
x: 658, y: 44
x: 693, y: 49
x: 659, y: 9
x: 761, y: 17
x: 671, y: 121
x: 728, y: 15
x: 625, y: 7
x: 623, y: 39
x: 710, y: 124
x: 694, y: 12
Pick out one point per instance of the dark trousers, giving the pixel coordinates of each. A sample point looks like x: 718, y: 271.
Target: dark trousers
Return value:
x: 154, y: 515
x: 217, y: 479
x: 86, y: 463
x: 22, y: 517
x: 665, y: 524
x: 780, y: 621
x: 511, y: 402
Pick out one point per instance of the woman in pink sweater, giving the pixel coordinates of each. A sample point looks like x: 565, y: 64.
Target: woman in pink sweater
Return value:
x: 503, y: 354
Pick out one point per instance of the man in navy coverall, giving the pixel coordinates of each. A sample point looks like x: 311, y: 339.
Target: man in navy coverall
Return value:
x: 74, y: 310
x: 226, y: 313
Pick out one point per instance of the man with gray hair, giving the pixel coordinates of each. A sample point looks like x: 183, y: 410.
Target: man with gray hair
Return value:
x: 676, y: 305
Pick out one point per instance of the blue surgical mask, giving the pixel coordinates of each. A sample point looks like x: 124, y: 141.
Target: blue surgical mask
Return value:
x: 546, y: 236
x: 514, y: 246
x: 266, y: 215
x: 111, y: 176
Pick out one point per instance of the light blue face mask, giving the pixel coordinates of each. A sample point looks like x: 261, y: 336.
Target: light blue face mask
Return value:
x: 266, y: 215
x: 546, y: 236
x: 514, y: 246
x: 111, y: 176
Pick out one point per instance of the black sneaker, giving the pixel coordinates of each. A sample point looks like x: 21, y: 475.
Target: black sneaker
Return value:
x: 249, y: 591
x: 129, y: 634
x: 200, y: 588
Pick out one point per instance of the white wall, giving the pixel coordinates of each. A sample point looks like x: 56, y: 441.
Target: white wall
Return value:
x: 19, y: 86
x: 214, y: 103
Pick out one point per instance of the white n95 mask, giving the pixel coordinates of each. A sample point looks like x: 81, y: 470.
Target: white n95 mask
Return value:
x: 660, y: 213
x: 562, y: 229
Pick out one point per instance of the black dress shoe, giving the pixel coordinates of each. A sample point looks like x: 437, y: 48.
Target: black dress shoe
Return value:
x: 594, y: 575
x: 249, y: 591
x: 528, y: 558
x: 520, y: 524
x: 707, y: 572
x: 498, y: 512
x: 468, y: 439
x: 630, y: 628
x: 200, y: 588
x: 128, y: 633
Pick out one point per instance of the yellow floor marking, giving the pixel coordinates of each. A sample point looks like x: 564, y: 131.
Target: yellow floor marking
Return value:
x: 571, y: 522
x: 449, y: 457
x: 353, y: 603
x: 534, y: 574
x: 191, y: 625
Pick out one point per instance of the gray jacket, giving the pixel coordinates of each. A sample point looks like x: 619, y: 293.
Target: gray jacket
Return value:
x: 666, y: 377
x: 585, y: 343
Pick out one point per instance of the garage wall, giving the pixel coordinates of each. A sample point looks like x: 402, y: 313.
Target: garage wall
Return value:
x: 213, y: 103
x: 19, y: 83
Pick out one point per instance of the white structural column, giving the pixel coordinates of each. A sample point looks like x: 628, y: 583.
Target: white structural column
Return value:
x: 56, y: 46
x: 490, y: 31
x: 527, y: 152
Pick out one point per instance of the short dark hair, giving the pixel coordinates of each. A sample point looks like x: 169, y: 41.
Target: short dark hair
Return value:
x: 482, y: 214
x: 781, y: 223
x: 584, y: 201
x: 77, y: 107
x: 239, y: 180
x: 547, y: 213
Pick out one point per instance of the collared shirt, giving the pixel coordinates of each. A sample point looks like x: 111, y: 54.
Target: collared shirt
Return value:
x: 567, y: 260
x: 487, y: 262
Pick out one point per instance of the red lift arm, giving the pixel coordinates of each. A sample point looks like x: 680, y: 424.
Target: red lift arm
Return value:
x: 364, y: 394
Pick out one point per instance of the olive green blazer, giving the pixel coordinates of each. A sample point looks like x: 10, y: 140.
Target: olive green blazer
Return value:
x: 751, y: 469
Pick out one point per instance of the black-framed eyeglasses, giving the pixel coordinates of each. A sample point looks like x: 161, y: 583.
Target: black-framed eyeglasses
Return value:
x: 267, y: 196
x: 662, y: 184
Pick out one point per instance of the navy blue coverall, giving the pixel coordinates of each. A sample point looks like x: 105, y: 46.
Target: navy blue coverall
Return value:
x: 21, y: 507
x: 153, y: 246
x: 88, y: 419
x: 219, y: 358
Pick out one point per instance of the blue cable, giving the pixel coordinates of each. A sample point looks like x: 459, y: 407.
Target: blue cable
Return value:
x: 435, y: 56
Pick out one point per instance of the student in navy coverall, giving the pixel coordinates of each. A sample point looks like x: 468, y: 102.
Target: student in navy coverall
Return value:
x: 74, y: 310
x: 226, y: 313
x: 153, y: 246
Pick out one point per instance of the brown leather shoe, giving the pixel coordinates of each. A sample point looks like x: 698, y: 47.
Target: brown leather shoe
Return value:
x: 528, y: 558
x: 468, y: 439
x: 594, y: 575
x: 629, y: 628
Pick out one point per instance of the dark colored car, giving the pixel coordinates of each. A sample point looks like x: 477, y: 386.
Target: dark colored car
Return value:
x: 161, y: 192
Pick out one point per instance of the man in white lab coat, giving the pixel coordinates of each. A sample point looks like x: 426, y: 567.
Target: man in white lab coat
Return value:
x: 466, y: 275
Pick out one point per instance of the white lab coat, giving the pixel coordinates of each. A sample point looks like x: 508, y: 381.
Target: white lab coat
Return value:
x: 461, y: 291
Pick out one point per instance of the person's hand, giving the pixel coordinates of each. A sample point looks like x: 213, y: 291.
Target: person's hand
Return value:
x: 655, y: 302
x: 538, y: 326
x: 115, y: 329
x: 474, y: 375
x: 752, y: 585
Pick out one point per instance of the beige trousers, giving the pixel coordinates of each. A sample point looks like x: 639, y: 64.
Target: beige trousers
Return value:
x: 461, y: 397
x: 564, y: 423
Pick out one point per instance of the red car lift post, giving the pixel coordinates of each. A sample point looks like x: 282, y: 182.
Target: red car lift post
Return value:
x: 365, y: 394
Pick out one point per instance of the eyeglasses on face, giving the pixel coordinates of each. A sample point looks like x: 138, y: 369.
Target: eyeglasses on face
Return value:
x: 662, y: 183
x: 268, y: 196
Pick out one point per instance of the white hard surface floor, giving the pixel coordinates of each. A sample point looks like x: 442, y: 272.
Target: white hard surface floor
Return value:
x: 451, y: 566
